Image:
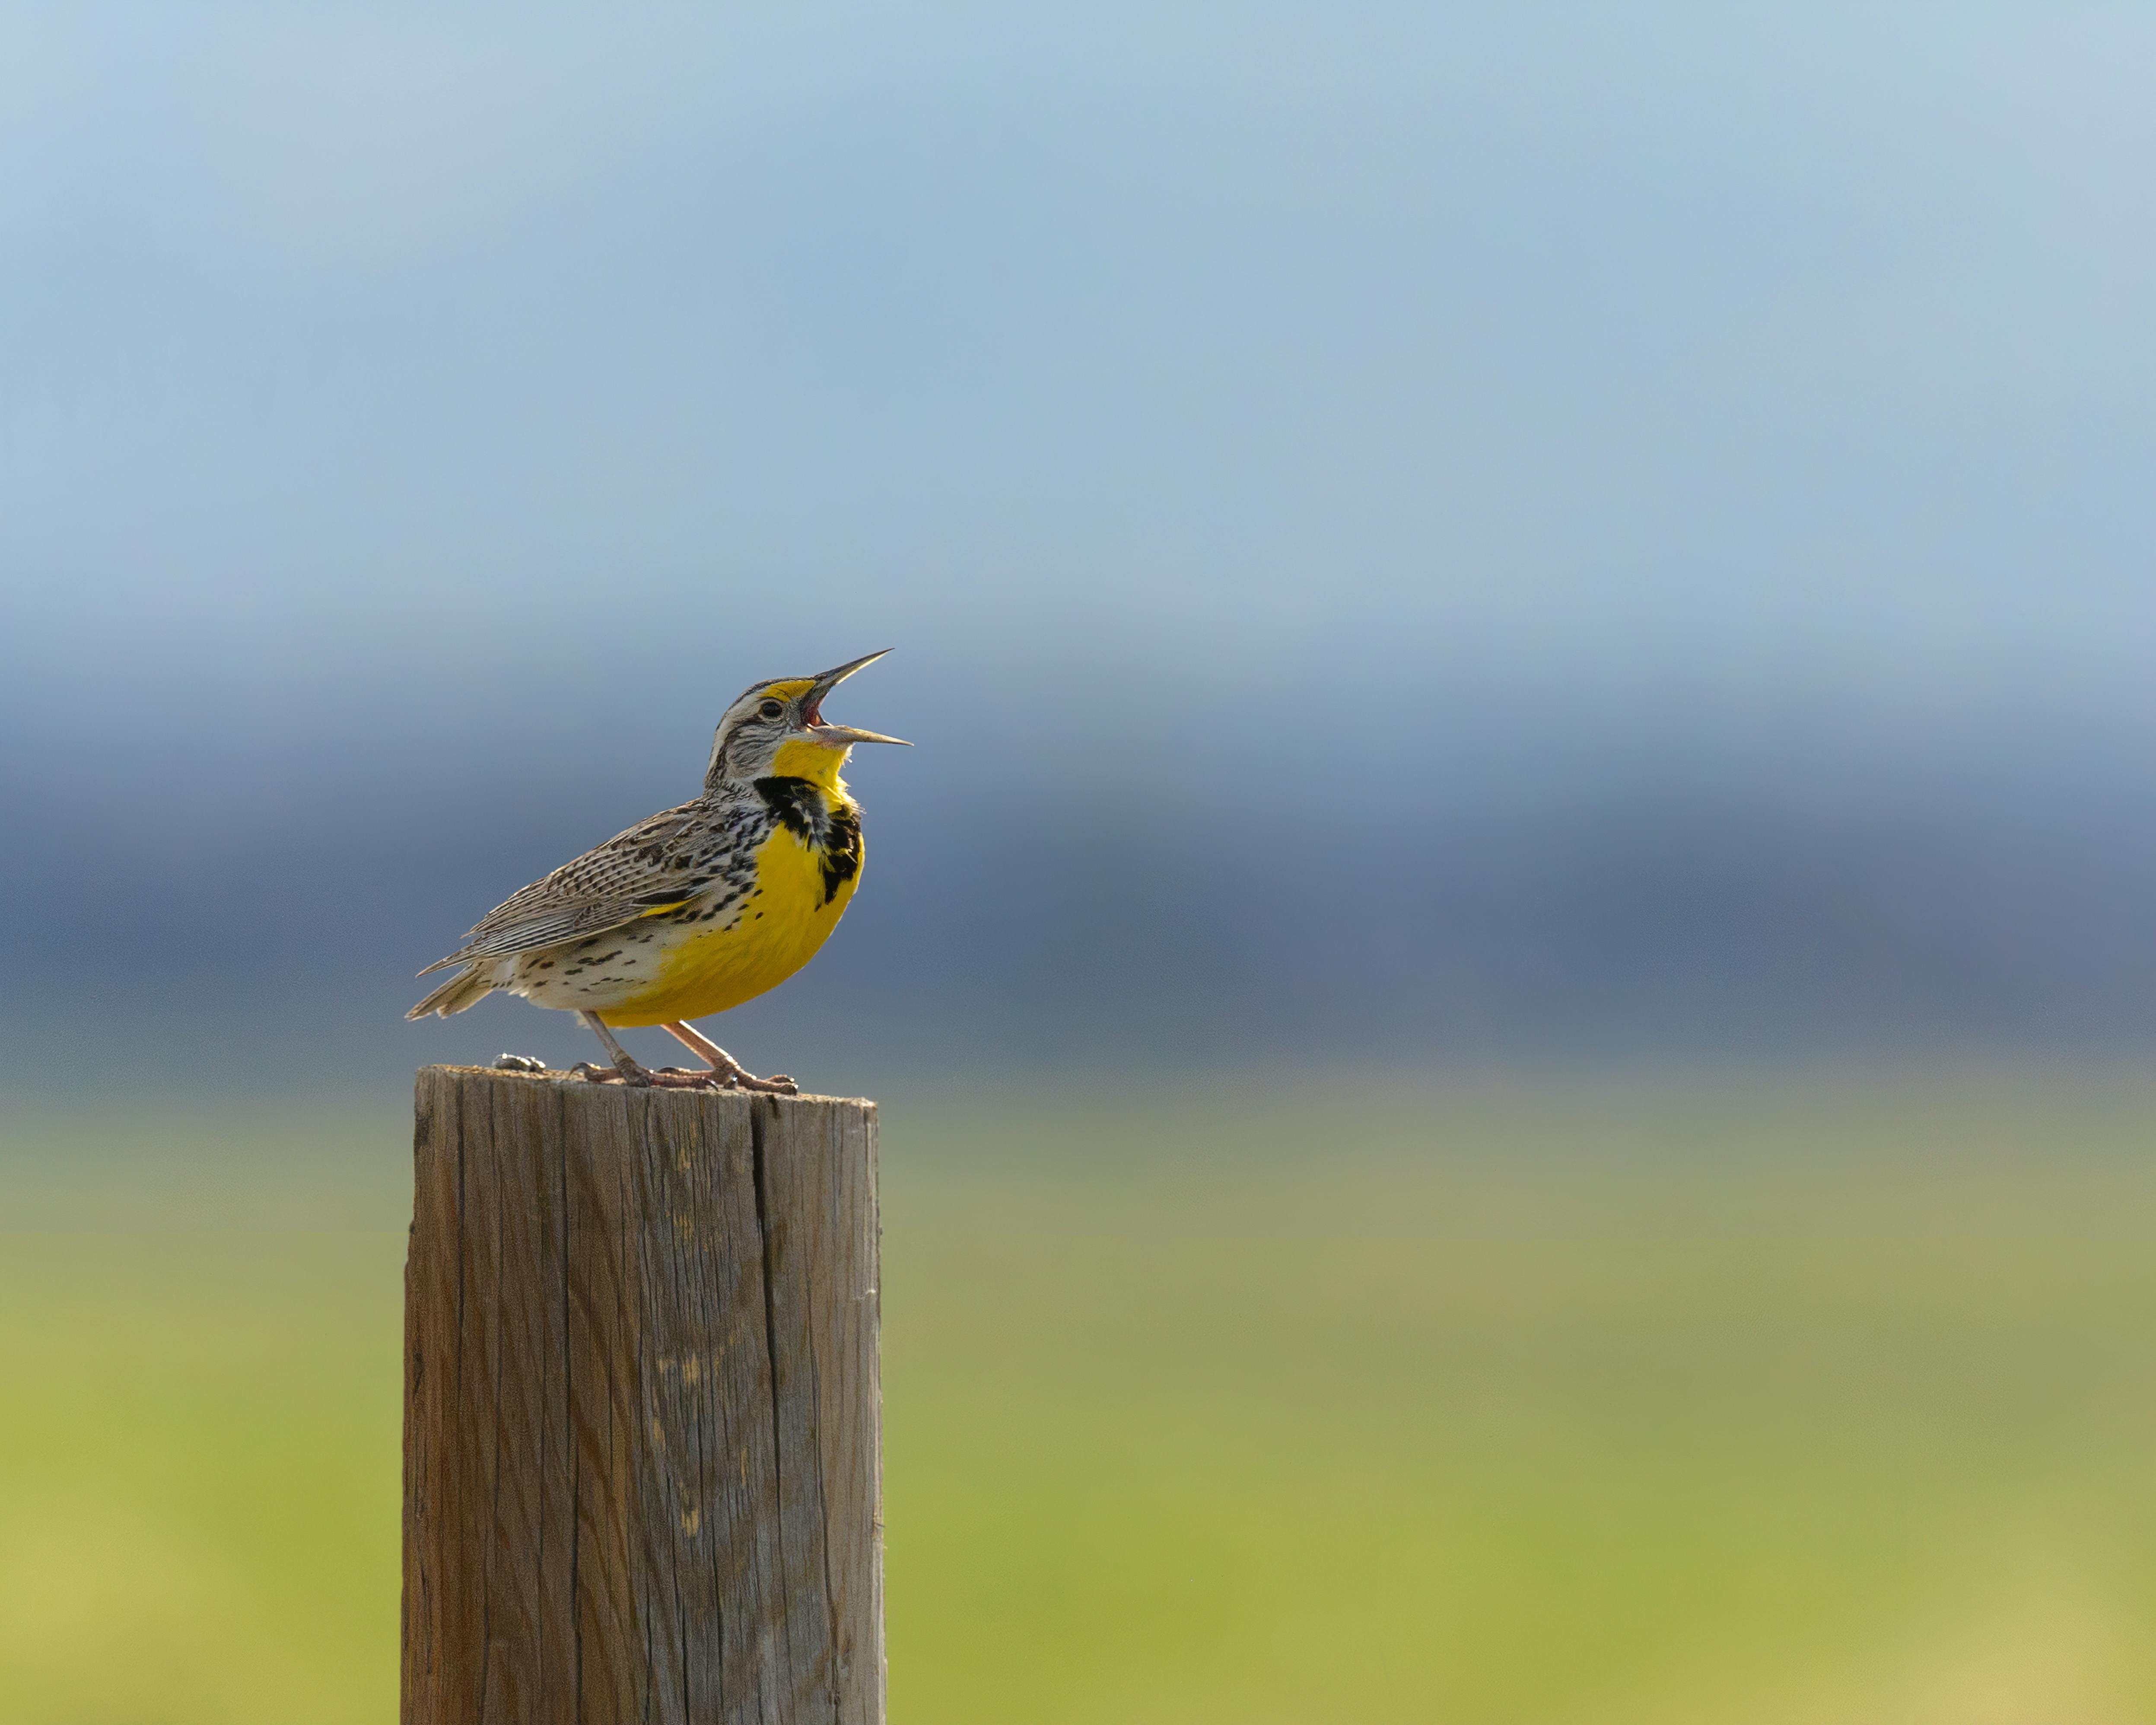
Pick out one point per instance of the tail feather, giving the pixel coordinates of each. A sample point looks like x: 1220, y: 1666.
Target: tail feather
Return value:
x: 464, y: 989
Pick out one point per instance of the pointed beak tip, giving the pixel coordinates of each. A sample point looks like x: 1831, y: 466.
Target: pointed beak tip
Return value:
x: 838, y: 674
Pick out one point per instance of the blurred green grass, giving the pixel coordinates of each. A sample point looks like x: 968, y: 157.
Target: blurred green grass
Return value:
x: 1660, y: 1398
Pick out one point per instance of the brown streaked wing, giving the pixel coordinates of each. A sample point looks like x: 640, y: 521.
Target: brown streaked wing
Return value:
x: 612, y: 884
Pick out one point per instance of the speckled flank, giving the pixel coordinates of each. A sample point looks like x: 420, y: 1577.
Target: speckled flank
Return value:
x: 751, y: 926
x: 698, y: 909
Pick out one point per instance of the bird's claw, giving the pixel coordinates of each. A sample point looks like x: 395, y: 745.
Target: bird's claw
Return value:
x: 778, y: 1084
x: 592, y: 1074
x: 683, y: 1078
x: 689, y: 1078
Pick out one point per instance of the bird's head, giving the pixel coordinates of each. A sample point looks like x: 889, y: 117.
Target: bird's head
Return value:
x: 777, y: 728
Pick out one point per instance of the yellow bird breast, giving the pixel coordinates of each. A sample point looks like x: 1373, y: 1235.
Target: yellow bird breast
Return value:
x: 706, y: 967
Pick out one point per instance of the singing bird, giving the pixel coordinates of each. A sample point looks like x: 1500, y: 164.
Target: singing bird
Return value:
x: 700, y: 907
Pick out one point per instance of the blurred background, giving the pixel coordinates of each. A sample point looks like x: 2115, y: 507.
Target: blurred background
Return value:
x: 1510, y: 978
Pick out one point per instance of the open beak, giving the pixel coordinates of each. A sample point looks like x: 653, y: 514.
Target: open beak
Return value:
x: 839, y: 736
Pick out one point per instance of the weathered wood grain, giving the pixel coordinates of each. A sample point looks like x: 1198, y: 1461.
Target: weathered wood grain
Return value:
x: 642, y: 1449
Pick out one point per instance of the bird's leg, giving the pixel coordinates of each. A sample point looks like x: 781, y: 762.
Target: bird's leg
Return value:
x: 625, y: 1070
x: 624, y: 1063
x: 729, y: 1072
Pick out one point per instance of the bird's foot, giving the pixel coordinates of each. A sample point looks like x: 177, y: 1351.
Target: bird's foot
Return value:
x: 778, y: 1084
x: 727, y: 1072
x: 632, y: 1075
x: 519, y: 1063
x: 719, y: 1078
x: 681, y: 1078
x: 686, y: 1078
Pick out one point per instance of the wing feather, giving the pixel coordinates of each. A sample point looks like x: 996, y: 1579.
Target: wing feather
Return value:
x: 653, y: 867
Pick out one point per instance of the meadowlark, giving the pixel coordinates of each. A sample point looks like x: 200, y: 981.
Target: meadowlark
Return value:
x: 700, y: 907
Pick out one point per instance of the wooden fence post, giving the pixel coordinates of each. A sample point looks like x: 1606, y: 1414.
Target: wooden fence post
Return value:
x: 642, y: 1471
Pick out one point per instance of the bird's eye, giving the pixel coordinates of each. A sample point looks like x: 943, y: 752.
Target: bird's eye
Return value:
x: 772, y: 709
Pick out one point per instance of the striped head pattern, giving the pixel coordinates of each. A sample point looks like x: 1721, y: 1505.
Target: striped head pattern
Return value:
x: 777, y: 729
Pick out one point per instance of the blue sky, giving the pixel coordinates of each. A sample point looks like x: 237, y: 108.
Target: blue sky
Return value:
x: 413, y: 414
